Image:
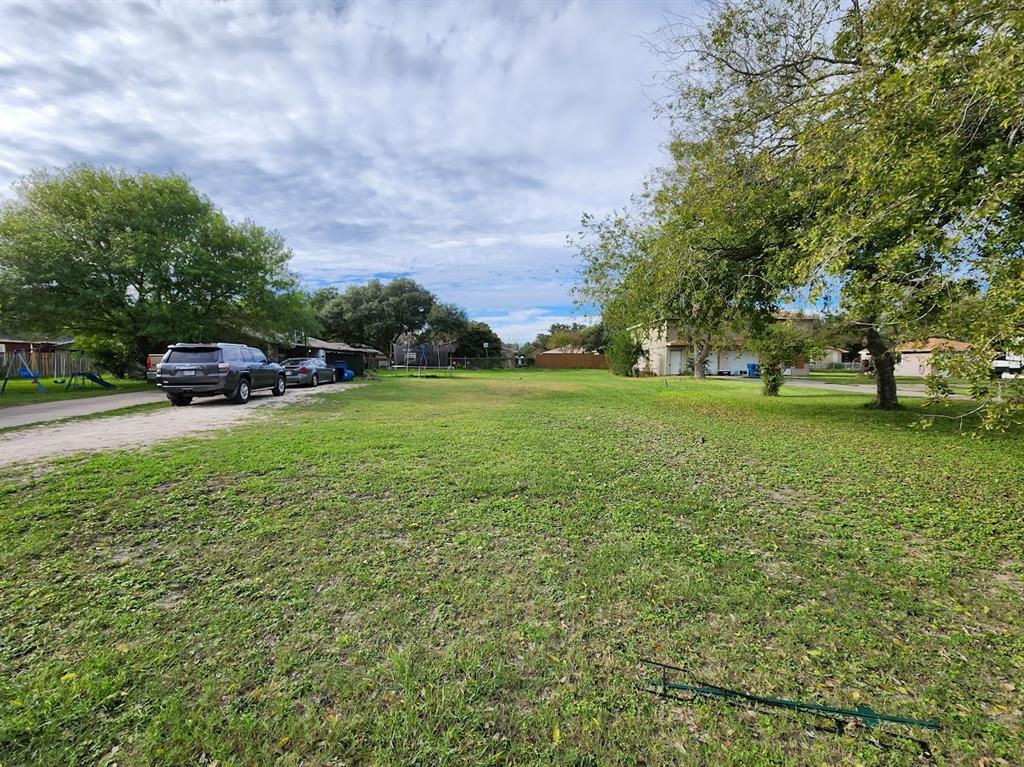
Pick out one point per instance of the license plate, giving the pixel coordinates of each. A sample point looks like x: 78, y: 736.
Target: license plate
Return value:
x: 188, y: 372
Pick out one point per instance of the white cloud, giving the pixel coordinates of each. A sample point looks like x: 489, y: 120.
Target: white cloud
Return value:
x: 455, y: 142
x: 523, y: 325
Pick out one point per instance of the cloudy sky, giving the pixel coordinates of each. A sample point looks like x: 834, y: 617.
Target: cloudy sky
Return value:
x: 454, y: 142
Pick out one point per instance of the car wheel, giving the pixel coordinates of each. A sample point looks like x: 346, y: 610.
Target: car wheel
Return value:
x: 279, y: 387
x: 179, y: 400
x: 242, y: 392
x: 315, y: 380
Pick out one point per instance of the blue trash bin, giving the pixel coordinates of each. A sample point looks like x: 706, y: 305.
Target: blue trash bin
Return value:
x: 342, y: 372
x: 753, y: 370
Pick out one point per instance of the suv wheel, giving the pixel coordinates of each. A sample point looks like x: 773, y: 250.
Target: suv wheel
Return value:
x: 179, y: 400
x: 279, y: 387
x: 315, y: 380
x: 242, y: 392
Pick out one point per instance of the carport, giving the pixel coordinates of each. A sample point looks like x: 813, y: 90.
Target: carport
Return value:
x: 356, y: 358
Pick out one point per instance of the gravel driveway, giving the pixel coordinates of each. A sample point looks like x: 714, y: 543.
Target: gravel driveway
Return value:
x: 116, y: 432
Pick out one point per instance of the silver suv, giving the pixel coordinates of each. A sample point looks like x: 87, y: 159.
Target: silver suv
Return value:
x: 205, y: 370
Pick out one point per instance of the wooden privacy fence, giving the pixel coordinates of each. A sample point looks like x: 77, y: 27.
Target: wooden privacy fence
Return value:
x: 44, y: 364
x: 568, y: 361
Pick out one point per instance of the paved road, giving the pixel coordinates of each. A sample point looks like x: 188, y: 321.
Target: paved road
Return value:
x: 21, y: 415
x: 902, y: 390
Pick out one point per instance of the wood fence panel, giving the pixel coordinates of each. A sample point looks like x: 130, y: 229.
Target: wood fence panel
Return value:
x: 569, y: 361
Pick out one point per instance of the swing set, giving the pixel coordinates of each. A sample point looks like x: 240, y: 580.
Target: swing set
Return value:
x: 74, y: 369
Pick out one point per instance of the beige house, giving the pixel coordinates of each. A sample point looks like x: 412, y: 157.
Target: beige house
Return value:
x: 668, y: 352
x: 915, y: 358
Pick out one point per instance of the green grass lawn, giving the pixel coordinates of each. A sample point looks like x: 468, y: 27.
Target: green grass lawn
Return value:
x: 22, y: 392
x: 466, y: 570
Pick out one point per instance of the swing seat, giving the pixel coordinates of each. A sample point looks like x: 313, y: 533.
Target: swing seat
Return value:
x: 26, y: 373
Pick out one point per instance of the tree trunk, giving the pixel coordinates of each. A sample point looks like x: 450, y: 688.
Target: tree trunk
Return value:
x: 885, y: 375
x: 701, y: 350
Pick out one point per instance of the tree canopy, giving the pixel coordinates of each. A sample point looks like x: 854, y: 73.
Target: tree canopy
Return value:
x: 137, y: 261
x: 865, y: 151
x: 377, y: 313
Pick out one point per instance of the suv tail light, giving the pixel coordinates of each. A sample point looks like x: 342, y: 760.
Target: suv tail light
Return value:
x: 223, y: 367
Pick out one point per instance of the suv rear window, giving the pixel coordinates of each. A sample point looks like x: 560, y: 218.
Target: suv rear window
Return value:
x: 194, y: 355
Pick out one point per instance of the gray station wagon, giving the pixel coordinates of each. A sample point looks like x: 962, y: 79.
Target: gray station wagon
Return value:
x: 205, y: 370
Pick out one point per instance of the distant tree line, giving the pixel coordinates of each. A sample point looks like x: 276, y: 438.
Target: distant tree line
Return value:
x: 129, y: 263
x: 380, y: 313
x: 589, y: 338
x: 862, y: 155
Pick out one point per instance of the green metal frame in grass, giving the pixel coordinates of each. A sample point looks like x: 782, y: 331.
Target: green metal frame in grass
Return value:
x: 863, y: 714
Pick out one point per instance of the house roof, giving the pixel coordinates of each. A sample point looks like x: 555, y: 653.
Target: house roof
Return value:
x: 58, y: 341
x: 933, y: 343
x: 339, y: 346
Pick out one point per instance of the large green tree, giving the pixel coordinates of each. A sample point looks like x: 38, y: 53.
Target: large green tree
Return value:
x: 700, y: 246
x: 445, y: 322
x: 472, y: 338
x: 377, y: 313
x: 136, y: 261
x: 899, y: 123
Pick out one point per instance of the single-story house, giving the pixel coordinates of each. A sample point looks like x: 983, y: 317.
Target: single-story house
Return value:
x: 915, y: 357
x: 830, y: 356
x: 669, y: 352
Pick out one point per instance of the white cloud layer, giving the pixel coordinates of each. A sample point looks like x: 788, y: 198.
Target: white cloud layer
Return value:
x: 456, y: 142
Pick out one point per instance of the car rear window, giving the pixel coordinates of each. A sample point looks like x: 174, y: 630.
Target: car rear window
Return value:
x: 295, y: 361
x: 193, y: 355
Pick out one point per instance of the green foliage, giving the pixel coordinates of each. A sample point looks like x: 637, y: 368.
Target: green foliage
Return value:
x: 623, y: 353
x: 445, y: 322
x: 112, y: 353
x: 139, y: 261
x: 594, y: 338
x: 377, y: 313
x: 321, y: 297
x: 993, y: 323
x: 873, y: 148
x: 701, y: 246
x: 780, y: 345
x: 472, y: 338
x: 591, y: 338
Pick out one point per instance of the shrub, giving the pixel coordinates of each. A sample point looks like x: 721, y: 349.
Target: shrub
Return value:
x: 623, y: 352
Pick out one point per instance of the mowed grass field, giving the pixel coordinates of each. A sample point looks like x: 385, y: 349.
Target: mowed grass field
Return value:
x: 24, y: 392
x: 467, y: 570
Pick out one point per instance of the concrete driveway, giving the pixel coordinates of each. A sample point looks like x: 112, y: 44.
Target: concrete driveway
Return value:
x: 22, y: 415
